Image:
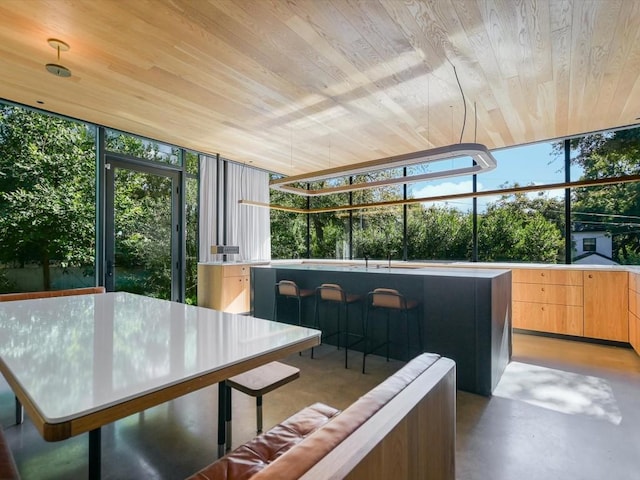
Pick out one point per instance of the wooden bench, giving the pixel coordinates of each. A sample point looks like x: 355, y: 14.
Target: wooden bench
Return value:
x: 9, y: 297
x: 403, y: 428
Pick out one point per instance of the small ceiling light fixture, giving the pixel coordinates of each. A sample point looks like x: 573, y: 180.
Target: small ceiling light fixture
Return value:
x: 55, y: 68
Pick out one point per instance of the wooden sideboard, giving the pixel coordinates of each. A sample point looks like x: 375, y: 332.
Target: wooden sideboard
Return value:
x: 224, y: 287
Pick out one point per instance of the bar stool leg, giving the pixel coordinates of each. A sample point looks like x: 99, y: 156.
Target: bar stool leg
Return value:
x: 275, y: 305
x: 419, y: 331
x: 366, y: 338
x: 406, y: 322
x: 346, y: 334
x: 388, y: 315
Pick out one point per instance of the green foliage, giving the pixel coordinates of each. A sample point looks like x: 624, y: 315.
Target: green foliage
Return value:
x: 47, y: 190
x: 442, y: 233
x: 515, y: 228
x: 288, y: 229
x: 616, y: 206
x: 377, y: 233
x: 6, y: 285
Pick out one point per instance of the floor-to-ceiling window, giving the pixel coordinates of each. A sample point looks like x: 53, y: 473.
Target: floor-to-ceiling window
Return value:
x: 55, y: 174
x: 47, y: 201
x: 521, y: 209
x: 606, y: 218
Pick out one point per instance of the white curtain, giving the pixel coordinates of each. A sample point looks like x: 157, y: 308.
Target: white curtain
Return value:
x: 208, y: 205
x: 247, y: 226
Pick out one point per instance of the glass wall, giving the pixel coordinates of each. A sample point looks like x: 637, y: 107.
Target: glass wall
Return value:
x: 606, y: 219
x: 329, y: 232
x: 288, y: 229
x: 191, y: 220
x: 48, y: 207
x: 47, y: 201
x: 516, y: 220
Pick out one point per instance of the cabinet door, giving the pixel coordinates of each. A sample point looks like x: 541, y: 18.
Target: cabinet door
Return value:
x: 634, y: 332
x: 606, y: 305
x: 235, y: 298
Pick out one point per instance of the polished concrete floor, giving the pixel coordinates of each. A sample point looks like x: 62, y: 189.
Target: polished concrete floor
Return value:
x: 583, y: 422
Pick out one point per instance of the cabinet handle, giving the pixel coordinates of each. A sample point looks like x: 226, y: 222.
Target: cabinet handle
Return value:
x: 543, y: 309
x: 542, y: 289
x: 542, y: 274
x: 590, y: 276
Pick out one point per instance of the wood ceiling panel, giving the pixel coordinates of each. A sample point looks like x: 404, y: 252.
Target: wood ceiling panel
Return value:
x: 299, y: 86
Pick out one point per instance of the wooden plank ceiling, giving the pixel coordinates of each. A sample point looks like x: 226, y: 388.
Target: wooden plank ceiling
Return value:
x: 295, y: 86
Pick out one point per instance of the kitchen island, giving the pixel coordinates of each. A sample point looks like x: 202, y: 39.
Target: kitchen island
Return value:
x: 465, y: 314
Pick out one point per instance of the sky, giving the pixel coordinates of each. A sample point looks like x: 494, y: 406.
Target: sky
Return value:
x: 525, y: 165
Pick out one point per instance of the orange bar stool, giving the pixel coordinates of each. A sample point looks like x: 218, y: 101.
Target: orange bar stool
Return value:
x: 332, y: 293
x: 290, y: 291
x: 389, y: 300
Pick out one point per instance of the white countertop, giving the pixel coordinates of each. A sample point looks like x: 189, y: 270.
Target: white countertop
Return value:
x: 80, y: 354
x: 440, y: 271
x: 424, y: 264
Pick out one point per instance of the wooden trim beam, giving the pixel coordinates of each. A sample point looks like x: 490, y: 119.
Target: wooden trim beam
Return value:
x: 455, y: 196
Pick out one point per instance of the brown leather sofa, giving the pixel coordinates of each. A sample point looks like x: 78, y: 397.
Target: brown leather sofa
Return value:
x: 8, y: 469
x: 403, y: 428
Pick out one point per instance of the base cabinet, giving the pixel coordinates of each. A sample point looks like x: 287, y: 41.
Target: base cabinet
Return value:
x: 549, y: 318
x: 634, y: 314
x: 582, y: 303
x: 548, y: 301
x: 224, y: 287
x: 606, y: 305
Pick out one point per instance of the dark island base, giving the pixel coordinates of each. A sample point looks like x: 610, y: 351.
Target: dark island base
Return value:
x: 465, y: 315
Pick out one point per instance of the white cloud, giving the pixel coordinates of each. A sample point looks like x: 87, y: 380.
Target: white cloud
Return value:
x: 466, y: 186
x: 452, y: 188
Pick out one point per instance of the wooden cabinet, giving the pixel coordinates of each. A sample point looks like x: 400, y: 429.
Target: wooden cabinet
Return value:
x: 548, y: 300
x: 548, y: 318
x: 224, y: 287
x: 584, y: 303
x: 550, y: 294
x: 606, y: 305
x: 634, y: 315
x: 547, y: 276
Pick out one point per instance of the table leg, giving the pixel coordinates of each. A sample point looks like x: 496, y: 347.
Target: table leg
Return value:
x: 94, y: 454
x: 223, y: 397
x: 228, y: 419
x: 19, y: 412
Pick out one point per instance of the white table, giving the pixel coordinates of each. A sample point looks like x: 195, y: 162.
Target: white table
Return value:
x: 78, y: 363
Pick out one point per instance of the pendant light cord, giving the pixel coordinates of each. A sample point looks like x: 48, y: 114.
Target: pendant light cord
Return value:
x: 464, y: 102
